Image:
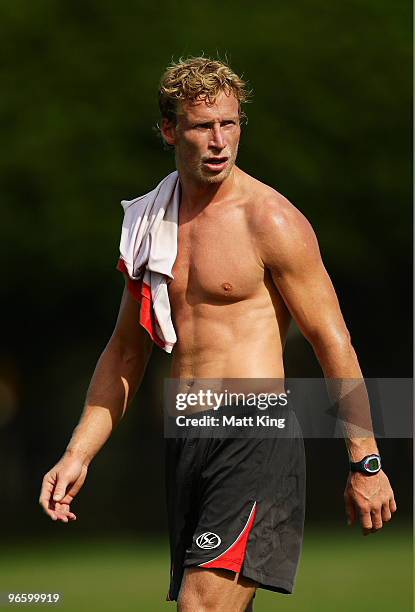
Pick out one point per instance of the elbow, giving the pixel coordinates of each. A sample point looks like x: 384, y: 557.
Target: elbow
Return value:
x: 129, y: 355
x: 338, y: 342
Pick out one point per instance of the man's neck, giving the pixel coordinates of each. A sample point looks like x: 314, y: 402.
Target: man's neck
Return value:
x: 198, y: 195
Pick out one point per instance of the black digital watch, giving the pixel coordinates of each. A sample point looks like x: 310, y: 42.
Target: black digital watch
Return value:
x: 369, y: 465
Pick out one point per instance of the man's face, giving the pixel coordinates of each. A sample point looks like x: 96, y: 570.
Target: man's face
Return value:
x: 206, y: 138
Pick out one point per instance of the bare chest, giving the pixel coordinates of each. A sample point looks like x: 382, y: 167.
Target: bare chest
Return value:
x: 216, y: 259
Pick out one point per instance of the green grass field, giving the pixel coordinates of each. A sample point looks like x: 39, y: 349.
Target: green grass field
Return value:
x: 340, y: 571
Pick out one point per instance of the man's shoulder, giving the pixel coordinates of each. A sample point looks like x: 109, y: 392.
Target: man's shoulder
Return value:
x: 269, y: 210
x: 281, y: 233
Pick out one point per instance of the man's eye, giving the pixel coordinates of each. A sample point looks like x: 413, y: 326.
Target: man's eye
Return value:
x: 202, y: 126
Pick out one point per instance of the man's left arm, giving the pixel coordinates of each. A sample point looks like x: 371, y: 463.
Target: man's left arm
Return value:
x: 288, y: 247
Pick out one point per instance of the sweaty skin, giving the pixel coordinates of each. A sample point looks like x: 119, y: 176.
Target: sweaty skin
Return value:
x: 230, y: 319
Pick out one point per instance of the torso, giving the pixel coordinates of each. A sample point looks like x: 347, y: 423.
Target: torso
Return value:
x: 230, y: 319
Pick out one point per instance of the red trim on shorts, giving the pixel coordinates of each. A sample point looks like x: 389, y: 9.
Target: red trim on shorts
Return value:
x: 141, y: 292
x: 234, y: 556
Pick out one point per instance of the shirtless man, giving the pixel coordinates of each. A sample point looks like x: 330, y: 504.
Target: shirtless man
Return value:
x: 247, y: 262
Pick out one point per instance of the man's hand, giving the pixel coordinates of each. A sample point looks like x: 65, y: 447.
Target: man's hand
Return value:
x: 59, y: 487
x: 369, y: 498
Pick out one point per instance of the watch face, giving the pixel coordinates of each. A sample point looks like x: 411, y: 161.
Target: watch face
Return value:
x: 372, y: 464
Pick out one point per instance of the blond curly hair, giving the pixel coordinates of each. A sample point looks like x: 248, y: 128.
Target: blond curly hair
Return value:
x: 199, y: 78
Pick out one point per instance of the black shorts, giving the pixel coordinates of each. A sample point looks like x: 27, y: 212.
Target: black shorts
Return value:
x: 237, y: 504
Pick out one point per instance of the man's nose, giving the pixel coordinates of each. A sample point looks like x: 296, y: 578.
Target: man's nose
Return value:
x: 217, y: 140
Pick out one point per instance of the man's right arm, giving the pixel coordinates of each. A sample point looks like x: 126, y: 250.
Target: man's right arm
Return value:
x: 117, y: 376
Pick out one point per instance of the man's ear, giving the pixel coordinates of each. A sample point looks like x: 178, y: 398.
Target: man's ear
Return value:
x: 168, y: 130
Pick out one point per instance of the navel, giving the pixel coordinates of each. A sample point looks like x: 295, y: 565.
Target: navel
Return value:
x: 227, y: 287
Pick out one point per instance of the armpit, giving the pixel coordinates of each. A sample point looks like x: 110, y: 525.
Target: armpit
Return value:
x: 134, y: 286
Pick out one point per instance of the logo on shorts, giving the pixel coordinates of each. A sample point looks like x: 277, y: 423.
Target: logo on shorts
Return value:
x: 208, y: 540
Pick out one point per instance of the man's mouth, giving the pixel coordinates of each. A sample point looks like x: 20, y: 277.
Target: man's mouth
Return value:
x: 216, y: 163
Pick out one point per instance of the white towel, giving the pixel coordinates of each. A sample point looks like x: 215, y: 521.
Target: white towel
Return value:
x: 148, y: 250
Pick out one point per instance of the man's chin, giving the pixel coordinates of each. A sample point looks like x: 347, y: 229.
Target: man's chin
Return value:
x: 212, y: 178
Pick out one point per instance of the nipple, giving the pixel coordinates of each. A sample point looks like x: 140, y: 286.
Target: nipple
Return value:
x: 227, y: 287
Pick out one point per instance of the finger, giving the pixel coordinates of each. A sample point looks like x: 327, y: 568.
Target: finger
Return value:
x: 376, y: 519
x: 350, y: 510
x: 57, y: 511
x: 67, y: 499
x: 64, y: 510
x: 52, y: 514
x: 392, y: 505
x: 386, y: 513
x: 62, y: 516
x: 60, y: 489
x: 45, y: 502
x: 366, y: 521
x: 45, y: 493
x: 77, y: 485
x: 67, y: 512
x: 73, y: 490
x: 66, y: 517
